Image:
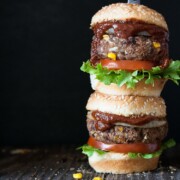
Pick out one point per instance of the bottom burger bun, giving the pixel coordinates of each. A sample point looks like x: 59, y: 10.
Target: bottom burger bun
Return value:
x: 119, y: 163
x: 141, y: 88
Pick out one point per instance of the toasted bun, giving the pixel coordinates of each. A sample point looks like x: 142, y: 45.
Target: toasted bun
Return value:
x: 125, y: 12
x: 141, y: 88
x: 127, y: 105
x: 118, y: 163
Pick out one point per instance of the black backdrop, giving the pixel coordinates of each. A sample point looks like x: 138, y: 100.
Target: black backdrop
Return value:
x: 43, y: 92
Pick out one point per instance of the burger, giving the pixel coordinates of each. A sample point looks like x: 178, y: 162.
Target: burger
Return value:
x: 128, y: 69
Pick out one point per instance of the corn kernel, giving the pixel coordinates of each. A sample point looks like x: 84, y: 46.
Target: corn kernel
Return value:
x: 97, y: 178
x: 77, y: 176
x: 156, y: 44
x: 106, y: 37
x: 112, y: 56
x: 121, y: 129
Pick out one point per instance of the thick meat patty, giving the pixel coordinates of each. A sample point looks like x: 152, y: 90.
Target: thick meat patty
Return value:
x: 122, y: 134
x: 130, y: 40
x: 133, y: 48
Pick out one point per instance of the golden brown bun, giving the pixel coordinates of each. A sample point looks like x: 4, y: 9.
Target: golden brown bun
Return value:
x: 141, y: 89
x: 124, y: 12
x: 127, y: 105
x: 114, y: 163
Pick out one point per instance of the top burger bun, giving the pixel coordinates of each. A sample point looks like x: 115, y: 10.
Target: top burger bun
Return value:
x: 127, y: 105
x: 126, y: 12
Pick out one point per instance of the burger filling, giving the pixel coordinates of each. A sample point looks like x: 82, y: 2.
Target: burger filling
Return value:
x: 111, y: 119
x: 132, y: 48
x: 123, y: 134
x: 133, y: 40
x: 146, y: 151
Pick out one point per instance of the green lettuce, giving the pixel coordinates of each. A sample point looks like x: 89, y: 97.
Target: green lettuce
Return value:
x: 121, y: 77
x: 168, y: 144
x: 89, y: 150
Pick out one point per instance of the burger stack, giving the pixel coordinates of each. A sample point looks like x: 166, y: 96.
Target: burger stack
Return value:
x: 126, y: 116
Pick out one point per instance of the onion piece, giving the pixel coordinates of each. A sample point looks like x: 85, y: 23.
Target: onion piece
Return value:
x: 113, y: 49
x: 143, y: 33
x: 110, y: 31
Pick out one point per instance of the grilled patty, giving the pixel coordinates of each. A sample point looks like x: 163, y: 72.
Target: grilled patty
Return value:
x: 122, y: 134
x: 132, y: 48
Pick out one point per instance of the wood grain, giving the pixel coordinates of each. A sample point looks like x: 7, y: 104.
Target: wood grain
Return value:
x: 54, y: 163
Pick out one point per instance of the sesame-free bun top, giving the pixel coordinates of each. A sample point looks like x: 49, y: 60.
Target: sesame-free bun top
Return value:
x: 127, y: 12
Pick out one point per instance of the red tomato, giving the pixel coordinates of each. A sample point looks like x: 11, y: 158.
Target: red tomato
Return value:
x: 124, y: 148
x: 127, y: 64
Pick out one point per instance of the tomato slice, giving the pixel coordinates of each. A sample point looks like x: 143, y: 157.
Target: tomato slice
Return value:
x: 127, y: 64
x: 124, y: 148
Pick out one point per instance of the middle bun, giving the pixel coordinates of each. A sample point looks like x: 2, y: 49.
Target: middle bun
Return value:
x: 127, y: 105
x: 141, y: 88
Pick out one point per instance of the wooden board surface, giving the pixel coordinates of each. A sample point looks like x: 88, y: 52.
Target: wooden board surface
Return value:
x: 61, y: 162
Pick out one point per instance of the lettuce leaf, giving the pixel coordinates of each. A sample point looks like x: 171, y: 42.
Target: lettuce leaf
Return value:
x: 121, y: 77
x: 168, y: 144
x: 89, y: 150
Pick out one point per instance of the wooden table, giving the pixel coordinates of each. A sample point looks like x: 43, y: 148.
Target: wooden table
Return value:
x: 61, y: 162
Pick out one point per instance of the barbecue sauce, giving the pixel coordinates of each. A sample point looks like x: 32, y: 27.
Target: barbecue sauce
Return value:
x: 105, y: 121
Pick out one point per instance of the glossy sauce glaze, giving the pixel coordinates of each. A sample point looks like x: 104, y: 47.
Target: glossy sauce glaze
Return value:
x: 105, y: 121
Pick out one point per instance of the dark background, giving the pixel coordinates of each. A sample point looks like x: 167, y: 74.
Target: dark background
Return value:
x: 43, y: 92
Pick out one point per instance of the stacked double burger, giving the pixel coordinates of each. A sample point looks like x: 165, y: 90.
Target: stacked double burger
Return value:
x: 129, y: 67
